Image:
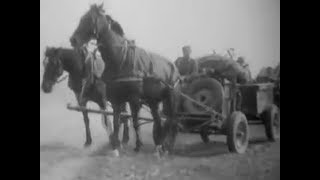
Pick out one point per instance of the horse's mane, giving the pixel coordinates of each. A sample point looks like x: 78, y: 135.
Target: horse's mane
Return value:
x: 50, y: 51
x: 67, y: 53
x: 56, y: 51
x: 115, y: 26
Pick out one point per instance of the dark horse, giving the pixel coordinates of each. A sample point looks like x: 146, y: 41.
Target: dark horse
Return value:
x: 58, y: 60
x: 132, y: 75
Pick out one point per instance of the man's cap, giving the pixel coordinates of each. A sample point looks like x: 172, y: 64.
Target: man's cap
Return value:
x: 240, y: 60
x: 186, y: 48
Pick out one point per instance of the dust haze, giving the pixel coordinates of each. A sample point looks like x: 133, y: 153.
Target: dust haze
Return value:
x: 252, y: 27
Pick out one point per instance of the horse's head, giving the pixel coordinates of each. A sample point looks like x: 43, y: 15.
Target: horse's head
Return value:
x: 53, y: 69
x: 91, y: 24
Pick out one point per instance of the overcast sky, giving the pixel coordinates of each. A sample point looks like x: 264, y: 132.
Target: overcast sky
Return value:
x: 252, y: 27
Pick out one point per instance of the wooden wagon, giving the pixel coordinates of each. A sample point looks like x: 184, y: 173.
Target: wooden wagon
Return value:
x: 207, y: 121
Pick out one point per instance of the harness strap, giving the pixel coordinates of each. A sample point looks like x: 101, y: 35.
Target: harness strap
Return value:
x: 62, y: 79
x: 124, y: 57
x: 127, y: 79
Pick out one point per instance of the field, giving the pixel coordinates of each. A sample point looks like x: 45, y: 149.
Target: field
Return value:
x: 62, y: 155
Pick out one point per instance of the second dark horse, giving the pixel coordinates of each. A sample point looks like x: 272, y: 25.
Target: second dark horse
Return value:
x: 58, y: 60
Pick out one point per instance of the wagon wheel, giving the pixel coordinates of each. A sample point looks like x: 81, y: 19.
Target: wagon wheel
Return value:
x: 237, y: 132
x: 272, y: 123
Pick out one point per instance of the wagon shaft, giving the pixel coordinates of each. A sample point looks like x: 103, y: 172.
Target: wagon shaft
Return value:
x: 82, y: 109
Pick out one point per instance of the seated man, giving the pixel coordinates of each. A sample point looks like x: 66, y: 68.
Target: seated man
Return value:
x: 186, y: 65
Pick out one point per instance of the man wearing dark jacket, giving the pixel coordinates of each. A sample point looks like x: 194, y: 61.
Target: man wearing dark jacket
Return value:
x: 186, y: 65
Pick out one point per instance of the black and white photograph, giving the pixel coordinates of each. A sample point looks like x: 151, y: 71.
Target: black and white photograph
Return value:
x: 159, y: 89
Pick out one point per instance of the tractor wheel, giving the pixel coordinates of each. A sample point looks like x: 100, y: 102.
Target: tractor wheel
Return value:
x: 207, y: 91
x: 237, y: 132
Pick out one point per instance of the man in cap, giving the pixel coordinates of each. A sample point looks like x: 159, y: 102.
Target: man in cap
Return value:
x: 186, y: 65
x: 241, y: 62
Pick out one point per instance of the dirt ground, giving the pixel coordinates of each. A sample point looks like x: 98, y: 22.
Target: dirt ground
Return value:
x: 62, y: 156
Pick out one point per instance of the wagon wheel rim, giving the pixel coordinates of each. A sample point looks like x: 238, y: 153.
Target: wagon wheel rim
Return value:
x: 241, y: 135
x: 276, y: 124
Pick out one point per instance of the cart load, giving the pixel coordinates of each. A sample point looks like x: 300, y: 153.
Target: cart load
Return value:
x: 268, y: 74
x: 223, y: 67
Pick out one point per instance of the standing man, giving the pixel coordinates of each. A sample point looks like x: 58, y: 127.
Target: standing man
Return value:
x: 93, y: 70
x: 245, y: 66
x: 186, y: 65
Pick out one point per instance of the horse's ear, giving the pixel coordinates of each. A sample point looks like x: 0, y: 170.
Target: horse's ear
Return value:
x: 52, y: 51
x: 101, y: 6
x: 47, y: 51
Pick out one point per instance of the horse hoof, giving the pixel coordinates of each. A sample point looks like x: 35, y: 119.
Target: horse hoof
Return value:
x: 125, y: 140
x: 158, y: 152
x: 165, y: 153
x: 157, y: 155
x: 87, y: 144
x: 115, y: 153
x: 124, y: 143
x: 122, y: 147
x: 136, y: 149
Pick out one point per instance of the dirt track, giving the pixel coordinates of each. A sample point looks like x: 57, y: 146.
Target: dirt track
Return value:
x: 63, y: 157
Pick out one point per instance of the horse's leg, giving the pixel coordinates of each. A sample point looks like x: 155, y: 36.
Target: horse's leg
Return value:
x: 106, y: 122
x: 157, y: 129
x: 101, y: 99
x: 125, y: 122
x: 125, y: 136
x: 82, y: 102
x: 88, y: 132
x: 170, y: 127
x: 114, y: 137
x: 135, y: 108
